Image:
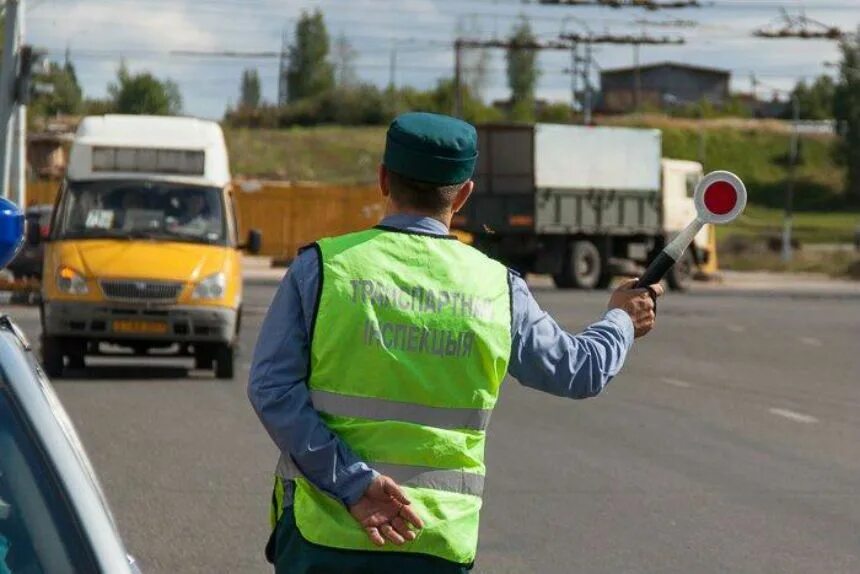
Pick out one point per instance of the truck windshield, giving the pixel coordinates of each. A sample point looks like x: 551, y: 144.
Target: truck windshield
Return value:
x: 141, y: 210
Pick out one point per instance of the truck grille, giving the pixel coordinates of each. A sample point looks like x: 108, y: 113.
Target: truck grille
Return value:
x: 146, y: 291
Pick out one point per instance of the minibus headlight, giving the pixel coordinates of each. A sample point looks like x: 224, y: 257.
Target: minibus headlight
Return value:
x: 71, y: 282
x: 212, y: 287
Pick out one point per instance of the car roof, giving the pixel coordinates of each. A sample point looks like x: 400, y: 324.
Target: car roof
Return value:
x: 33, y: 394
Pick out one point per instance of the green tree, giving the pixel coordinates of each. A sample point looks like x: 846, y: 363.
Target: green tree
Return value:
x: 523, y: 72
x: 309, y: 72
x: 143, y: 93
x: 816, y: 100
x: 249, y: 93
x: 846, y: 109
x: 59, y: 91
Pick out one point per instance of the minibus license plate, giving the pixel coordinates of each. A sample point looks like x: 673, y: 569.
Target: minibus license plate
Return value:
x: 148, y: 327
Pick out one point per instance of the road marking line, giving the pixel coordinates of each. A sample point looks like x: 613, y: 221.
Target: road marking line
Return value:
x: 811, y: 341
x: 736, y: 328
x: 793, y: 415
x: 676, y: 383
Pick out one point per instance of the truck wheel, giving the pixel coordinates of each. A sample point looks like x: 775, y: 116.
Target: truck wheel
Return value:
x: 583, y: 267
x: 52, y: 356
x: 680, y: 276
x: 224, y: 358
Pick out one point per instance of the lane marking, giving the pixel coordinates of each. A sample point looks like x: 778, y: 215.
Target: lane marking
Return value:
x: 736, y: 328
x: 793, y: 415
x: 676, y: 383
x: 812, y: 341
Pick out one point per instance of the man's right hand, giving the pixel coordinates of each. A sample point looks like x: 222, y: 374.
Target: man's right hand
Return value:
x: 384, y: 513
x: 637, y: 303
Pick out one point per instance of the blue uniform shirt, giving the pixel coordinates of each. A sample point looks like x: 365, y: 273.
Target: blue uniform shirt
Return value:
x: 543, y: 356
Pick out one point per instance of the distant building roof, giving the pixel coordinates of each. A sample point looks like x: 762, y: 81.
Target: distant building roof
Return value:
x: 677, y: 65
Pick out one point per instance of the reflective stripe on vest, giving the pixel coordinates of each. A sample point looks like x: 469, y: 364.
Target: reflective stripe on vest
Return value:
x: 455, y: 480
x: 409, y: 347
x: 382, y: 409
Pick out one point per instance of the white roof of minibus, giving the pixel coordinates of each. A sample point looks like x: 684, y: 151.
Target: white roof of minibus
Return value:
x: 163, y: 132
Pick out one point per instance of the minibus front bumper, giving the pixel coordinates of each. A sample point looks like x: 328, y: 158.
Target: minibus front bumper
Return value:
x: 117, y: 322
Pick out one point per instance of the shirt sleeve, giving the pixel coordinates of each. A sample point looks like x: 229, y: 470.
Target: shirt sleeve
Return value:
x: 547, y: 358
x: 278, y: 390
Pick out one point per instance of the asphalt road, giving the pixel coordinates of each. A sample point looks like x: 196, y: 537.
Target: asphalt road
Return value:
x: 730, y: 443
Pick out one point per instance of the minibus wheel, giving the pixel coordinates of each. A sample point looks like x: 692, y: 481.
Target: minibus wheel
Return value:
x: 224, y: 358
x: 204, y: 357
x: 52, y: 356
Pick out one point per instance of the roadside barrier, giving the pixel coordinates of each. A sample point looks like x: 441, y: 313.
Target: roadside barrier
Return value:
x: 293, y: 215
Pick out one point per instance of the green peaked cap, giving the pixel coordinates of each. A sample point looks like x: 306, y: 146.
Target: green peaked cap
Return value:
x: 431, y: 147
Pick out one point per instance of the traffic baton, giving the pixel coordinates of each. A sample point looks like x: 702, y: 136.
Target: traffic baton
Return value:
x: 720, y: 197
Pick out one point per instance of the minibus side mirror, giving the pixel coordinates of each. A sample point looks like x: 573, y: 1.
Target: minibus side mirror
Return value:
x: 34, y: 232
x: 254, y: 243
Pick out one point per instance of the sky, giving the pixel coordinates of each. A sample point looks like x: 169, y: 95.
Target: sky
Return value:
x: 147, y: 34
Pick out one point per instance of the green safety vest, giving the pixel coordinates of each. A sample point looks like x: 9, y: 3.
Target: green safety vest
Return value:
x: 409, y: 347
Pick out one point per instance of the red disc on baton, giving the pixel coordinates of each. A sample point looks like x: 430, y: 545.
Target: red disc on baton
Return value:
x: 721, y: 197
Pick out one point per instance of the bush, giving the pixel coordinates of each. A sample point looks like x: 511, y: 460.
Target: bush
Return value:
x: 362, y: 105
x: 555, y: 113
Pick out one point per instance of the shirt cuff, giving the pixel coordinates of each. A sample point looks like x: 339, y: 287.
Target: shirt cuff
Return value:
x: 358, y: 485
x: 622, y: 320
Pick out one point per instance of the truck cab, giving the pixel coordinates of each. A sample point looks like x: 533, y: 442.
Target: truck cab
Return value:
x: 144, y: 251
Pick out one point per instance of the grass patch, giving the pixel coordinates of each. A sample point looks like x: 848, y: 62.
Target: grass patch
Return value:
x: 761, y: 223
x: 844, y: 264
x: 331, y: 154
x: 756, y: 151
x: 759, y: 154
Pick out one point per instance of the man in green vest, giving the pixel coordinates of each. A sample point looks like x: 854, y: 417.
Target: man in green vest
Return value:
x: 380, y: 361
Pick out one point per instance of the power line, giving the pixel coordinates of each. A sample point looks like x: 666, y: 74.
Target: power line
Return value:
x: 652, y: 5
x: 800, y: 27
x: 622, y: 39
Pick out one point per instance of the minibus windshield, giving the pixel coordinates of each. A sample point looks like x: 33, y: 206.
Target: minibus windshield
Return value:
x: 141, y: 210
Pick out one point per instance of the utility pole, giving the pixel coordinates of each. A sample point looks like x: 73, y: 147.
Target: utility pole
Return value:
x: 574, y: 72
x: 392, y: 78
x: 283, y: 66
x: 392, y: 68
x: 12, y: 110
x: 587, y: 79
x: 458, y: 78
x: 624, y: 39
x: 637, y: 79
x: 789, y: 189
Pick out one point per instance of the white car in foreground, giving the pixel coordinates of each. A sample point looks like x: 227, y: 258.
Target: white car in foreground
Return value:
x: 53, y: 516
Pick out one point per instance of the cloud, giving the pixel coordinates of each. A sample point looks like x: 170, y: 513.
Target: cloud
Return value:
x: 95, y: 24
x: 143, y: 31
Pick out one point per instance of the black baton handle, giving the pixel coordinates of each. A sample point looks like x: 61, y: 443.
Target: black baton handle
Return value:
x: 656, y: 270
